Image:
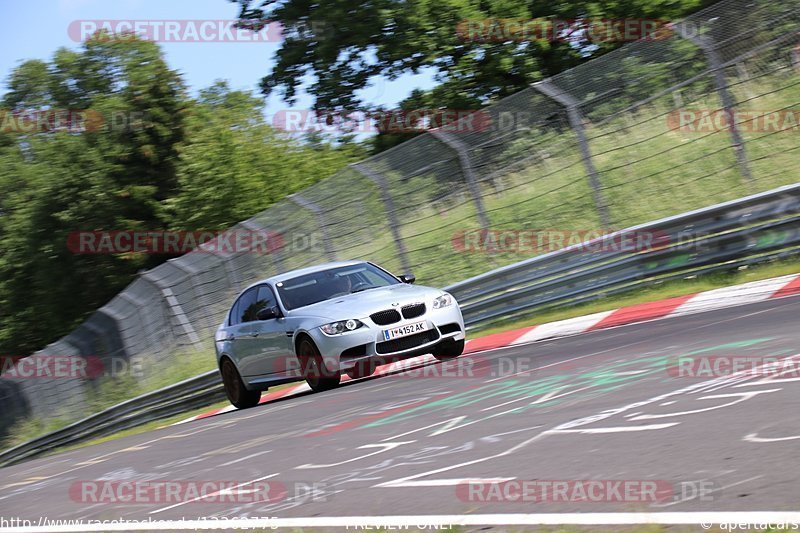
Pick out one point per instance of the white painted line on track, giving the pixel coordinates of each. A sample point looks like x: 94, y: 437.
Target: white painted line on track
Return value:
x: 455, y: 482
x: 622, y: 429
x: 245, y: 458
x: 754, y: 438
x: 211, y: 495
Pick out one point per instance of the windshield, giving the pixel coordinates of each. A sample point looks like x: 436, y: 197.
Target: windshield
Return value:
x: 332, y: 283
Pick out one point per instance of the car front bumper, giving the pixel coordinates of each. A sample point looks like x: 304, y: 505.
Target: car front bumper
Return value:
x: 343, y: 352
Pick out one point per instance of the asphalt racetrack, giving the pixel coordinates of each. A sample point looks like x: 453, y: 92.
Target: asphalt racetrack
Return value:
x: 476, y: 434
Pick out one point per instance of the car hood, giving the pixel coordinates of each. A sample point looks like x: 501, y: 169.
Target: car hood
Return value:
x: 362, y: 304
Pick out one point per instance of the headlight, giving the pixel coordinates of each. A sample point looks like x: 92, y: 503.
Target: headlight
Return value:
x: 444, y: 300
x: 343, y: 326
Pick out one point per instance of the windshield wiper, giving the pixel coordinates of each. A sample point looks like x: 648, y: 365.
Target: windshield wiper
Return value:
x: 363, y: 289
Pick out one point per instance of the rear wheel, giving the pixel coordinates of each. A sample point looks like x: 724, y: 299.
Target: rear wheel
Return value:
x: 317, y: 375
x: 448, y: 349
x: 237, y: 393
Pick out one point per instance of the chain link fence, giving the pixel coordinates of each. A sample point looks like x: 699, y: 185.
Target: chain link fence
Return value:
x: 602, y: 146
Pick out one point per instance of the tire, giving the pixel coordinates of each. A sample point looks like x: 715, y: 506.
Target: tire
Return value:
x: 317, y: 375
x: 448, y: 349
x: 239, y: 396
x: 362, y: 369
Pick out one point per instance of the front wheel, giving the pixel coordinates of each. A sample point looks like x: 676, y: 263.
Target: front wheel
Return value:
x: 237, y: 393
x: 448, y: 349
x: 317, y: 375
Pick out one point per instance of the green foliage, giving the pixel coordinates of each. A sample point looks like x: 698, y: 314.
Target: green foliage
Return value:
x: 343, y: 46
x: 29, y: 428
x: 149, y: 158
x: 234, y: 164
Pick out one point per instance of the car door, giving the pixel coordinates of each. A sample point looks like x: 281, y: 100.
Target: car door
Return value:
x: 271, y: 347
x: 238, y: 331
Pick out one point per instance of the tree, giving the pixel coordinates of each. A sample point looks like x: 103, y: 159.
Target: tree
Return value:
x: 111, y: 171
x: 342, y: 45
x: 147, y: 157
x: 235, y: 165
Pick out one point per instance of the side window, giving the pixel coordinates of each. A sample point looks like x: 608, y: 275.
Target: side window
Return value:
x: 244, y: 308
x: 265, y: 298
x: 234, y: 316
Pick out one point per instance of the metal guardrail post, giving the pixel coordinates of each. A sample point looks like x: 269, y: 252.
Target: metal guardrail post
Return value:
x: 572, y: 106
x: 138, y: 303
x: 796, y: 57
x: 276, y: 255
x: 469, y: 174
x: 174, y: 306
x: 721, y: 85
x: 386, y: 197
x: 200, y: 297
x: 320, y: 214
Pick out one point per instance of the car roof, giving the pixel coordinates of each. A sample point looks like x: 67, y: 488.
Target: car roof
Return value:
x: 303, y: 271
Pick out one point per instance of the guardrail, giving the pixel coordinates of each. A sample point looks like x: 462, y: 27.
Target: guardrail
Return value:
x: 749, y: 230
x: 724, y: 236
x: 184, y: 396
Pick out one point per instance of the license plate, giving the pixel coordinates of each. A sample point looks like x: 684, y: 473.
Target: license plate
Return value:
x: 403, y: 331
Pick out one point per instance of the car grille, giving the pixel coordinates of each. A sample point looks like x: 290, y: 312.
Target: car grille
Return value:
x: 413, y: 310
x: 407, y: 343
x: 382, y: 318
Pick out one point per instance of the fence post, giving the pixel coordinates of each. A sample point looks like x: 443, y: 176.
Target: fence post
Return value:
x: 174, y: 306
x: 721, y: 84
x: 275, y: 256
x: 469, y: 174
x: 140, y: 306
x: 572, y: 107
x: 318, y: 212
x: 386, y: 197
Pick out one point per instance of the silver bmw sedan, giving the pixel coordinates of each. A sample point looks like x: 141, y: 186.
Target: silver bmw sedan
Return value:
x: 319, y: 322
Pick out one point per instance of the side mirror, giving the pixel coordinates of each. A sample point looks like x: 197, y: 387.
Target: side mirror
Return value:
x: 268, y: 312
x: 407, y: 278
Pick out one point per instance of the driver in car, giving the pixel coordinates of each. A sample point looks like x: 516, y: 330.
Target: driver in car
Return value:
x: 343, y: 285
